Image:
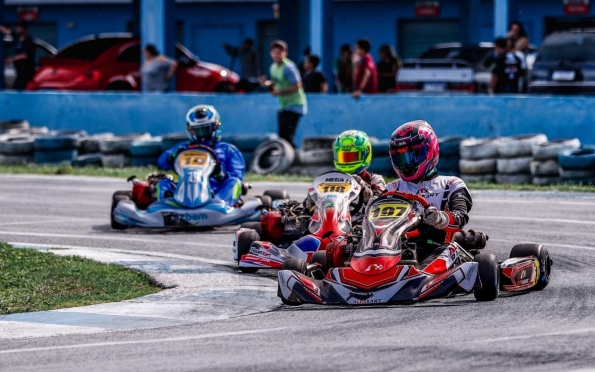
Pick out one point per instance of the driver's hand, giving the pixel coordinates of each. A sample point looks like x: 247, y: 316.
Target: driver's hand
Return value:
x: 435, y: 218
x: 366, y: 189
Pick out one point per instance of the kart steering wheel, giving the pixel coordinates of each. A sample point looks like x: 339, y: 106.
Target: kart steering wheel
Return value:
x: 357, y: 205
x: 412, y: 197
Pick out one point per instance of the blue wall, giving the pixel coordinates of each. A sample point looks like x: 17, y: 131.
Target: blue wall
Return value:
x: 378, y: 115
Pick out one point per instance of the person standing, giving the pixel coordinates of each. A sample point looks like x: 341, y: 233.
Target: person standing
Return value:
x: 343, y: 70
x: 286, y: 84
x: 314, y: 80
x: 519, y: 37
x: 249, y: 60
x: 157, y: 70
x: 366, y: 76
x: 506, y: 69
x: 387, y: 68
x: 23, y: 57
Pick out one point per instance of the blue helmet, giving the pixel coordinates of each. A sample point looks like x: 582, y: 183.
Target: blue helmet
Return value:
x: 203, y: 125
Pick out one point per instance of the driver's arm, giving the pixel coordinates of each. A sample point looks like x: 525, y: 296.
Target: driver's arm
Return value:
x: 166, y: 159
x: 459, y: 205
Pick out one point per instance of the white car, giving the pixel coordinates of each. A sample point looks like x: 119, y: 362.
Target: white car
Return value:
x: 42, y: 49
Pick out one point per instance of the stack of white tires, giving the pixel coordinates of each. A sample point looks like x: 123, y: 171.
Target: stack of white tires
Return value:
x: 115, y: 151
x: 544, y: 167
x: 515, y: 157
x: 478, y: 159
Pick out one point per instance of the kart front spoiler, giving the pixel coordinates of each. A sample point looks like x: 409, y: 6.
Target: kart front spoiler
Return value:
x: 401, y: 284
x: 168, y: 213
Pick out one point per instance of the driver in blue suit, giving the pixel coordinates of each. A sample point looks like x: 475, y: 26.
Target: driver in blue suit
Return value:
x: 203, y: 125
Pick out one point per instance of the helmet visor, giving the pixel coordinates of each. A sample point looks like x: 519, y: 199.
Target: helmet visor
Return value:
x: 346, y: 157
x: 204, y: 131
x: 409, y: 158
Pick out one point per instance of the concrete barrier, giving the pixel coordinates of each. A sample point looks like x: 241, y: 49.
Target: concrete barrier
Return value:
x: 474, y: 115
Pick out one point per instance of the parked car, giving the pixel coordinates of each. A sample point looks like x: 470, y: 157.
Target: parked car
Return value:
x: 451, y: 67
x: 42, y: 50
x: 112, y: 61
x: 565, y: 64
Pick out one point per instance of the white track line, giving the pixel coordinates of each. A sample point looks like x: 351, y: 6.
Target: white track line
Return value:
x: 71, y: 220
x: 113, y: 238
x: 153, y: 341
x: 480, y: 200
x: 547, y: 245
x: 533, y: 335
x: 533, y: 219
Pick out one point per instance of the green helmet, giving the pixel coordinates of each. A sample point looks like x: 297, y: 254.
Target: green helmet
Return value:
x: 353, y: 152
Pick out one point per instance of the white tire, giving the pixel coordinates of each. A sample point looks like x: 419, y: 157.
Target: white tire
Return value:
x: 478, y: 148
x: 478, y: 177
x: 121, y: 144
x: 514, y: 179
x: 16, y: 144
x: 315, y: 157
x: 546, y: 181
x: 544, y: 168
x: 514, y: 165
x: 482, y: 166
x: 551, y: 149
x: 115, y: 160
x: 272, y: 156
x: 519, y: 146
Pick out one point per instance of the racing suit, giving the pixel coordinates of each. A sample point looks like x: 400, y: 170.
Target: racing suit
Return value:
x: 449, y: 194
x: 227, y: 180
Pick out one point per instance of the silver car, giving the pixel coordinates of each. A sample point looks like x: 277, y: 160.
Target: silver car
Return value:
x: 42, y: 49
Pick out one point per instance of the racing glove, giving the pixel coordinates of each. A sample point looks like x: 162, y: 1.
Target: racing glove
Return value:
x: 366, y: 189
x: 218, y: 173
x: 435, y: 218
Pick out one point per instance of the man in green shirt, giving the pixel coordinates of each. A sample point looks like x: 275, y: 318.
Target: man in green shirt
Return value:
x: 286, y: 84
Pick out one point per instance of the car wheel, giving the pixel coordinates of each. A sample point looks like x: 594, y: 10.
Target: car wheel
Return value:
x: 116, y: 198
x: 244, y: 242
x: 545, y: 262
x: 489, y: 276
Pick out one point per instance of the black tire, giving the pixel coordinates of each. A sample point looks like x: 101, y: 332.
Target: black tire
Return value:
x: 295, y: 264
x: 253, y: 225
x: 122, y: 86
x: 116, y: 198
x: 286, y: 302
x: 319, y: 257
x: 277, y: 194
x: 545, y: 262
x: 488, y: 272
x: 224, y: 87
x: 272, y: 156
x: 244, y: 242
x: 266, y: 200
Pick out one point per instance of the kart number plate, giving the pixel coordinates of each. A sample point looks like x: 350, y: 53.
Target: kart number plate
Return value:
x: 324, y: 188
x: 192, y: 159
x: 389, y: 210
x: 563, y: 75
x: 434, y: 87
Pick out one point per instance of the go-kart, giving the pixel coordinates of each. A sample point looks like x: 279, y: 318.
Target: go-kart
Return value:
x: 383, y: 268
x: 335, y: 194
x: 159, y: 202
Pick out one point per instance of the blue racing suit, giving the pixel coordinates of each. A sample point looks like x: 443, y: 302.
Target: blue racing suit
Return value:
x: 227, y: 184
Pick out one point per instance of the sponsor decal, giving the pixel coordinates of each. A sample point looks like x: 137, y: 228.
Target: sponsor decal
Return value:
x: 363, y: 302
x: 471, y: 271
x: 337, y: 180
x: 259, y: 252
x: 374, y: 267
x: 425, y: 193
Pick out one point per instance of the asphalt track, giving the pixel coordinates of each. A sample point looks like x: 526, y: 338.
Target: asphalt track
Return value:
x: 537, y: 331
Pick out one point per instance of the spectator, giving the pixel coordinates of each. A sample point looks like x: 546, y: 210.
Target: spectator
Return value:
x: 517, y: 33
x: 366, y: 78
x: 343, y: 70
x: 302, y: 65
x: 523, y: 69
x: 23, y: 57
x: 286, y: 84
x: 506, y: 69
x: 157, y: 70
x: 314, y: 80
x: 387, y: 67
x: 250, y: 64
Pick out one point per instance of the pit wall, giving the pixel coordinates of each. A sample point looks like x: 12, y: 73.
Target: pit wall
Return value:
x: 473, y: 115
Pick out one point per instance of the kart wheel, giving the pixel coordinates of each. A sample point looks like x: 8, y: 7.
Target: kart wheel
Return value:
x: 277, y: 194
x: 319, y: 257
x: 488, y: 274
x: 244, y: 242
x: 116, y: 198
x: 266, y: 200
x: 253, y: 226
x: 545, y: 262
x: 295, y: 264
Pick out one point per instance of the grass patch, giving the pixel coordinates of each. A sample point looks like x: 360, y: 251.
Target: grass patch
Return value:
x: 33, y: 281
x: 251, y: 177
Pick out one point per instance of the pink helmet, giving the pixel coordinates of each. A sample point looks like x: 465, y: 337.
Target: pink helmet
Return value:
x: 414, y: 151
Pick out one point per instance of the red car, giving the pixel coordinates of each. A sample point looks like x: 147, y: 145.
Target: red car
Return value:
x: 112, y: 62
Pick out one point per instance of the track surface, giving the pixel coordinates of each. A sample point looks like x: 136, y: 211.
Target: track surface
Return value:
x: 549, y: 330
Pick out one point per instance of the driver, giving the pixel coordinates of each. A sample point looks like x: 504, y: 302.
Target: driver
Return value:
x: 203, y: 126
x: 353, y: 155
x: 414, y: 154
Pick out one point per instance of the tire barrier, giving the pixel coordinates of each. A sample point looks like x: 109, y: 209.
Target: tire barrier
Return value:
x: 551, y: 149
x: 519, y: 146
x: 116, y: 160
x: 576, y: 174
x: 310, y: 170
x: 16, y: 159
x: 9, y: 125
x: 55, y: 156
x: 16, y: 145
x: 477, y: 167
x: 546, y: 181
x: 272, y: 156
x: 469, y: 178
x: 145, y: 152
x: 171, y: 140
x: 90, y: 144
x: 77, y: 133
x: 544, y: 168
x: 449, y: 165
x: 56, y: 143
x: 514, y: 179
x: 317, y: 143
x: 87, y: 160
x: 449, y: 146
x: 247, y: 143
x: 121, y: 144
x: 482, y: 148
x: 583, y: 158
x: 314, y: 157
x: 514, y: 165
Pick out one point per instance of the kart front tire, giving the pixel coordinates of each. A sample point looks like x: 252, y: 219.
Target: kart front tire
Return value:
x: 252, y: 225
x: 488, y: 272
x: 266, y: 200
x: 116, y: 198
x: 319, y: 257
x: 244, y: 242
x: 295, y: 264
x: 545, y: 262
x: 277, y: 194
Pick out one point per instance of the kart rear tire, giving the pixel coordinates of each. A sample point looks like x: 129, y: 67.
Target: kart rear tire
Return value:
x: 319, y: 257
x: 545, y: 262
x: 245, y: 240
x: 266, y: 200
x: 254, y: 226
x: 116, y: 198
x: 295, y: 264
x: 277, y: 194
x: 489, y: 275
